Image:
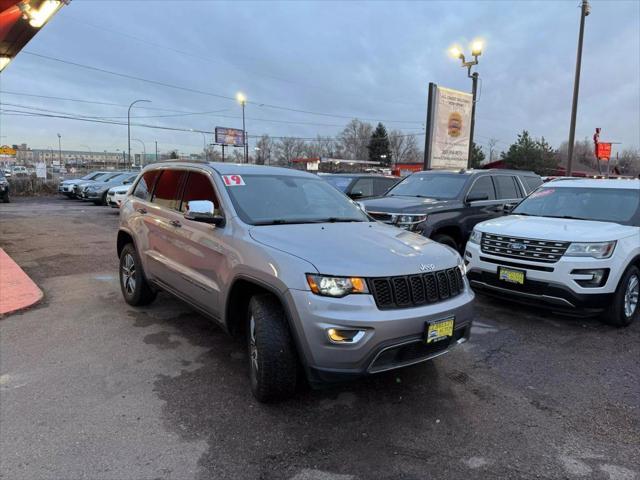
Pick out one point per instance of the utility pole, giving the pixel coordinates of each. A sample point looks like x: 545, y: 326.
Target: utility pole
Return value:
x: 129, y: 126
x: 584, y: 12
x: 156, y: 151
x: 60, y: 149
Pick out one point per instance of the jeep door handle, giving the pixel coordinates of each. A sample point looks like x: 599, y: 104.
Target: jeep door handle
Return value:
x: 141, y: 211
x: 176, y: 223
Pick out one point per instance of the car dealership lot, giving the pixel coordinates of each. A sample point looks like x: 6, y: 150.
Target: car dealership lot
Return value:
x: 93, y: 388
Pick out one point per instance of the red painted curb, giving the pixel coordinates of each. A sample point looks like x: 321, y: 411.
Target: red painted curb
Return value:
x: 17, y: 290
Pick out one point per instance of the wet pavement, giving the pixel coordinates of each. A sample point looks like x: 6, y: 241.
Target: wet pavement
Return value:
x: 93, y: 388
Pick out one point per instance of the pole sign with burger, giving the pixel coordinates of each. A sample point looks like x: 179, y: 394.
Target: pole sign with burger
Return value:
x: 448, y: 128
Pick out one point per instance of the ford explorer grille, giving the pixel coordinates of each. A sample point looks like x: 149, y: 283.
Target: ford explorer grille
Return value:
x: 546, y: 251
x: 415, y: 290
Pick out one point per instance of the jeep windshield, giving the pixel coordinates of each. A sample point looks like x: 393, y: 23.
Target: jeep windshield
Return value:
x: 617, y: 205
x: 286, y: 199
x: 438, y: 186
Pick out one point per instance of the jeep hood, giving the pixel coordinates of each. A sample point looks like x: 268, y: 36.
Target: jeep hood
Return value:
x: 560, y: 229
x: 366, y: 249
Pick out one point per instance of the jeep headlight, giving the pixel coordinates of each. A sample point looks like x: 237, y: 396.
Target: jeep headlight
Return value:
x: 336, y: 286
x: 475, y: 236
x: 591, y: 249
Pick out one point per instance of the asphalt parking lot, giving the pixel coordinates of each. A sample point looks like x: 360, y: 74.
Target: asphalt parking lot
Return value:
x: 93, y: 388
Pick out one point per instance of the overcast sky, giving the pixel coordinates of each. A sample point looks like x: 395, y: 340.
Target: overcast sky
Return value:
x: 370, y: 60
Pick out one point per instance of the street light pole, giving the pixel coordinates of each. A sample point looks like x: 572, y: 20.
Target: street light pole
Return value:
x: 476, y: 51
x: 204, y: 143
x: 60, y: 149
x: 243, y: 100
x: 144, y: 150
x: 129, y: 125
x: 584, y: 12
x: 90, y: 152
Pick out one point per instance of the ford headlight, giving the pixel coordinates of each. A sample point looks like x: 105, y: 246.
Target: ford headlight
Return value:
x: 336, y: 286
x: 475, y: 236
x: 591, y: 249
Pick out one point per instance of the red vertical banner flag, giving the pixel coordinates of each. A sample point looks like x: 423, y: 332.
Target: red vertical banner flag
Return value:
x: 603, y: 151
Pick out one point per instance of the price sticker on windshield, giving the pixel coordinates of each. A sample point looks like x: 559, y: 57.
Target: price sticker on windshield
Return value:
x: 233, y: 180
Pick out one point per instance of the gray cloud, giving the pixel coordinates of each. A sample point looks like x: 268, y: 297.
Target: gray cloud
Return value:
x: 368, y: 60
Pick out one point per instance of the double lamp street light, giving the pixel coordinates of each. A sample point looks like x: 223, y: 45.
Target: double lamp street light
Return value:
x: 476, y: 51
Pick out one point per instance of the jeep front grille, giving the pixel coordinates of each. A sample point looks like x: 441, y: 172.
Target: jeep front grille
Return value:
x: 546, y: 251
x: 415, y: 290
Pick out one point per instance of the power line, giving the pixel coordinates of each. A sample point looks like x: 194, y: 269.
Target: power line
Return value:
x: 211, y: 94
x: 212, y: 113
x: 23, y: 113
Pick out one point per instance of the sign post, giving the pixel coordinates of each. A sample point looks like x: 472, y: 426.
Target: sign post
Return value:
x: 41, y: 170
x: 448, y: 135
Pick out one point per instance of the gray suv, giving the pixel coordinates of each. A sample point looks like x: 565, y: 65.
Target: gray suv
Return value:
x: 281, y: 258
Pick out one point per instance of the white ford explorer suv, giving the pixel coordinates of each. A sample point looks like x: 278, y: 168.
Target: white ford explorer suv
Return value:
x: 572, y: 245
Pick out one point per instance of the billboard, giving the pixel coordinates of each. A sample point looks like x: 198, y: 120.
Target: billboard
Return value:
x: 448, y: 134
x: 229, y: 136
x: 603, y: 151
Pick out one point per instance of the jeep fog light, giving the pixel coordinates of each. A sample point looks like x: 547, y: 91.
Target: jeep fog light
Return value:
x: 341, y: 335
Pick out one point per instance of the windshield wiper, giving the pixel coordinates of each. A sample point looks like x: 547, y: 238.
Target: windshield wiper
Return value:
x: 567, y: 217
x: 336, y: 220
x: 282, y: 221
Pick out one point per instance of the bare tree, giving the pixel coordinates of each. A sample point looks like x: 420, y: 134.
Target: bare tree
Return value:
x: 287, y: 149
x: 237, y: 156
x: 354, y: 140
x: 629, y: 162
x: 404, y: 148
x: 265, y: 146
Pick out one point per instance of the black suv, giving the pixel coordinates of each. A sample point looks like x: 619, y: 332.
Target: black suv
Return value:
x: 360, y: 185
x: 446, y: 205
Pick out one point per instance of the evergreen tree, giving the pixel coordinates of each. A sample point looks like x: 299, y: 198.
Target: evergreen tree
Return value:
x: 528, y: 153
x: 379, y: 148
x: 477, y: 155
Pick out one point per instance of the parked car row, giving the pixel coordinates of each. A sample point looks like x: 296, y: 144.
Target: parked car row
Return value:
x: 95, y: 186
x: 328, y: 288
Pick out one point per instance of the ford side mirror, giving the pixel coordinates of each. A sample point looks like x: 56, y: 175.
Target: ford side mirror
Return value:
x: 203, y: 211
x: 477, y: 197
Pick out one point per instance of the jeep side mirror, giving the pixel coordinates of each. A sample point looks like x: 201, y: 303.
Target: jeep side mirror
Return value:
x: 203, y: 211
x: 477, y: 197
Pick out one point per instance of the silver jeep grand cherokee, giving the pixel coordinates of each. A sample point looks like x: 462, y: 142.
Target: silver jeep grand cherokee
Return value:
x: 283, y: 259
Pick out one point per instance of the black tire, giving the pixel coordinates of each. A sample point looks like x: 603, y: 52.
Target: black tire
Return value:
x: 446, y: 240
x: 103, y: 200
x: 617, y: 315
x: 273, y: 364
x: 5, y: 198
x: 133, y: 284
